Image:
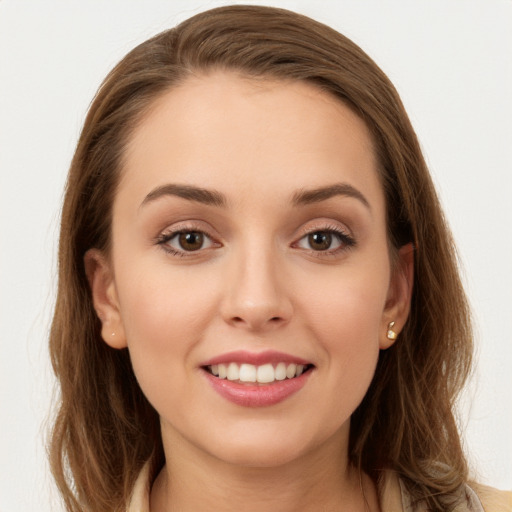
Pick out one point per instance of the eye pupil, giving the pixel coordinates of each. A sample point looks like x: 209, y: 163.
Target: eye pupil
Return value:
x: 320, y: 240
x: 191, y: 240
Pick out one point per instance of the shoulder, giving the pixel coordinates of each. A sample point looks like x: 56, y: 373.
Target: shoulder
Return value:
x: 493, y: 500
x: 392, y: 493
x: 139, y: 501
x: 394, y: 497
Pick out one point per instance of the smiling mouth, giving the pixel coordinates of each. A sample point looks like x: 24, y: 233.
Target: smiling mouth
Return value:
x: 262, y: 374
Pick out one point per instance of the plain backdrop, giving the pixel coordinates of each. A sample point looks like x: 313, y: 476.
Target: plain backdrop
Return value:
x: 452, y: 64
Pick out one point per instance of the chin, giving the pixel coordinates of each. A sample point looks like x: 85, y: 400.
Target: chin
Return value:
x: 256, y: 455
x: 260, y: 444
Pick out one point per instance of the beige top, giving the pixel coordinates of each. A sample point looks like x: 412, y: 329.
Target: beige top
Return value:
x: 393, y: 497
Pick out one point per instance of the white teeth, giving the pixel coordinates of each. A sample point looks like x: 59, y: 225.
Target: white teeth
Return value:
x: 247, y: 372
x: 280, y: 371
x: 233, y: 372
x: 263, y: 374
x: 223, y: 371
x: 290, y: 370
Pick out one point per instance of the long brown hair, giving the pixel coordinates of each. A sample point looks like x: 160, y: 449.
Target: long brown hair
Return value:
x: 105, y: 429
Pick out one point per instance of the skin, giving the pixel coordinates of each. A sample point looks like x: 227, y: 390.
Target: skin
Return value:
x: 256, y: 284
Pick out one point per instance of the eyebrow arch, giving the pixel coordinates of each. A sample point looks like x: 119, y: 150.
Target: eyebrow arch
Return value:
x: 304, y: 197
x: 190, y: 192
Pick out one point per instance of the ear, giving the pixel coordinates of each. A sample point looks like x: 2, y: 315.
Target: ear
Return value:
x: 104, y: 295
x: 398, y: 303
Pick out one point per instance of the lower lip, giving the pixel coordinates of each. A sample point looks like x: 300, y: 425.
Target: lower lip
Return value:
x: 253, y: 395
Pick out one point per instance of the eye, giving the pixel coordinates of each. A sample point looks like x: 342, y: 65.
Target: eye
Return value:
x: 319, y: 241
x: 183, y: 241
x: 325, y: 240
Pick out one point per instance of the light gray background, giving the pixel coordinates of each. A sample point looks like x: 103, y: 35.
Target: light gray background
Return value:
x: 451, y: 62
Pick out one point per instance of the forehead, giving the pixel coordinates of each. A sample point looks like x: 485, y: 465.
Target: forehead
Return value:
x: 223, y: 130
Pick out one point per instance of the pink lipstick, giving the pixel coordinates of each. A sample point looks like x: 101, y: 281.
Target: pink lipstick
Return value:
x: 257, y: 379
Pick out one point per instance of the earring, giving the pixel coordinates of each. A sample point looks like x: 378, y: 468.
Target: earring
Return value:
x: 391, y: 335
x: 113, y: 334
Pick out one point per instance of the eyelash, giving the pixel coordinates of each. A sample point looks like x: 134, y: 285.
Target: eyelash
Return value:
x: 164, y: 239
x: 346, y: 241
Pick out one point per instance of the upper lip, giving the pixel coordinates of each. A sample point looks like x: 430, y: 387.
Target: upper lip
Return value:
x: 255, y: 358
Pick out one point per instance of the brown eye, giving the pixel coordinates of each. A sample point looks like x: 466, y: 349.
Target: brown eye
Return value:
x: 184, y: 242
x: 191, y: 240
x: 320, y: 240
x: 328, y: 241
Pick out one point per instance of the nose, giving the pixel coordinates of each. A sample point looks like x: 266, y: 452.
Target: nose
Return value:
x: 256, y: 298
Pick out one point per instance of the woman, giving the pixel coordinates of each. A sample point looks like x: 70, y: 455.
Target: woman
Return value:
x: 258, y: 296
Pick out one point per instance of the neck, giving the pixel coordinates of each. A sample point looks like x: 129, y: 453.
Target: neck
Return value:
x: 192, y: 480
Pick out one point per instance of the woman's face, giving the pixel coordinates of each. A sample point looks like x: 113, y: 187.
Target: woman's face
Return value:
x: 249, y: 237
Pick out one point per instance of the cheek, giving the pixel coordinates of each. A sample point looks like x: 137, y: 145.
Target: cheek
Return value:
x: 162, y: 304
x: 350, y: 303
x: 345, y: 316
x: 164, y: 314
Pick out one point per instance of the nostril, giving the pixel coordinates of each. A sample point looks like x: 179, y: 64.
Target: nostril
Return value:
x: 255, y: 323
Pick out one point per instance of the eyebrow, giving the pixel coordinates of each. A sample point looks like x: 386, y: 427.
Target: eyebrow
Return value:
x: 304, y: 197
x: 192, y: 193
x: 215, y: 198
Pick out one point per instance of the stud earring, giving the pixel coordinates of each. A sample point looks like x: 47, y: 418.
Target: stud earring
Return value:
x: 391, y: 334
x: 113, y: 334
